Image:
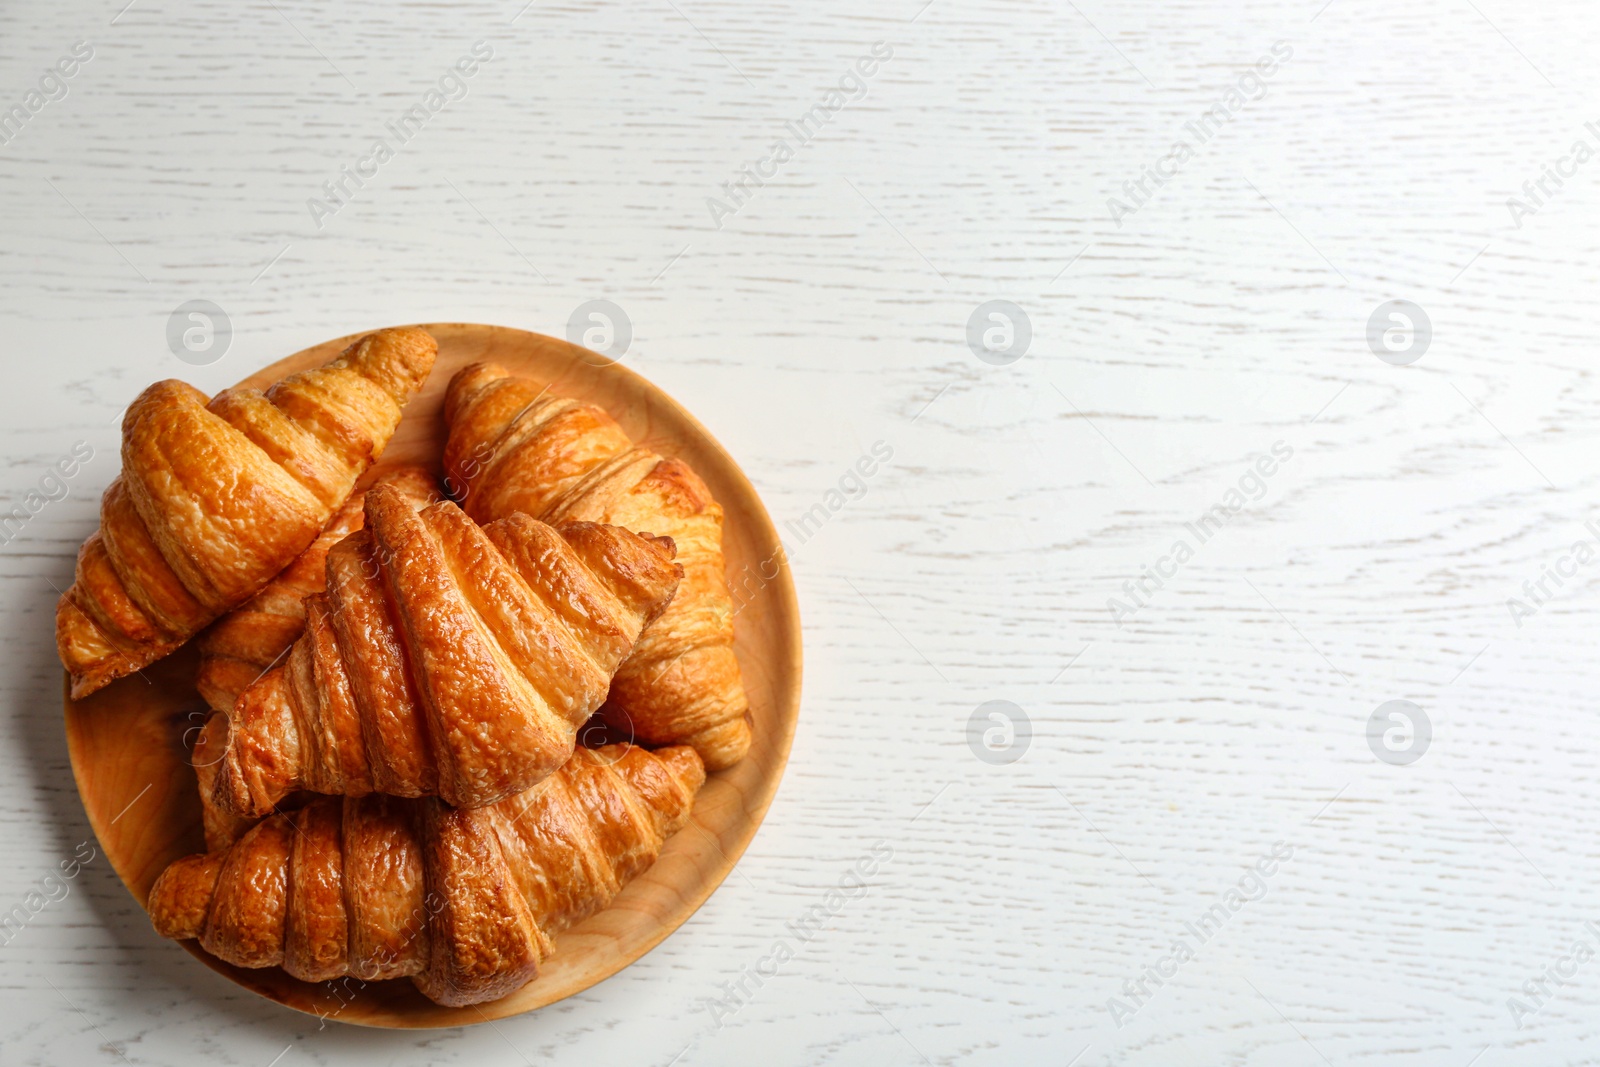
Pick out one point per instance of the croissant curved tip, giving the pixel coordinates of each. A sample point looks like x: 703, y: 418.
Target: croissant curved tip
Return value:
x: 380, y: 496
x: 725, y: 744
x: 98, y: 674
x: 398, y: 358
x: 181, y: 897
x: 584, y: 531
x: 212, y: 749
x: 157, y: 394
x: 686, y: 766
x: 413, y: 482
x: 664, y: 544
x: 465, y: 382
x: 230, y: 790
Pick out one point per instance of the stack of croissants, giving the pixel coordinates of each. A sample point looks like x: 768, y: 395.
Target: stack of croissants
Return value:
x: 391, y: 778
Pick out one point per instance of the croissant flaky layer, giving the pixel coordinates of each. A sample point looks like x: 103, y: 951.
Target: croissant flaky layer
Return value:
x: 247, y: 642
x: 443, y: 659
x: 463, y: 902
x: 216, y: 497
x: 513, y: 447
x: 237, y: 648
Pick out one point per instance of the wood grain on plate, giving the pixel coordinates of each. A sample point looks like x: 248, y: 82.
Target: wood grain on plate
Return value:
x: 128, y: 742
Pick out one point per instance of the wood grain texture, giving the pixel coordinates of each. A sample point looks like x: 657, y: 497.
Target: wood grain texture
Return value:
x: 978, y: 562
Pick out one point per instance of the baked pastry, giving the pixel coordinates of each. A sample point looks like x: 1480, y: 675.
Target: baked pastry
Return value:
x: 443, y: 659
x: 239, y: 647
x: 513, y: 447
x: 216, y: 497
x: 244, y: 644
x: 463, y: 902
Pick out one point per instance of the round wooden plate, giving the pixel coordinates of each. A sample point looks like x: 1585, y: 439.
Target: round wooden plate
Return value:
x: 129, y: 742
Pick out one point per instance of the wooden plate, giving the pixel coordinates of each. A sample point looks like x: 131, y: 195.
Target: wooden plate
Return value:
x: 129, y: 750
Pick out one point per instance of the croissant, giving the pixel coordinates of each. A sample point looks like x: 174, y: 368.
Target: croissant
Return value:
x: 442, y: 659
x: 463, y: 902
x: 215, y: 498
x: 513, y: 447
x: 244, y: 644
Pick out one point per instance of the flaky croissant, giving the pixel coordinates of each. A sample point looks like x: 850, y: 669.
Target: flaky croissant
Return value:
x: 216, y: 497
x: 514, y: 448
x: 444, y: 659
x: 247, y: 642
x: 239, y: 647
x: 463, y: 902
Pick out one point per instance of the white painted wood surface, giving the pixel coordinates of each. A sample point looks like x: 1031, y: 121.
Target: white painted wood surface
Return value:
x: 829, y: 313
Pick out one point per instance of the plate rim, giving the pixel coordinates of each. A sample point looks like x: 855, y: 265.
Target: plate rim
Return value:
x: 755, y: 804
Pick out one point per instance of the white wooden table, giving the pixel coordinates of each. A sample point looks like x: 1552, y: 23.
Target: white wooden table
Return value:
x: 822, y: 308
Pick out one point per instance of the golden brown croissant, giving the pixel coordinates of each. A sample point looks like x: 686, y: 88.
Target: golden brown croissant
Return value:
x: 464, y: 902
x: 217, y: 497
x: 515, y: 448
x: 244, y: 644
x: 239, y: 647
x: 444, y: 659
